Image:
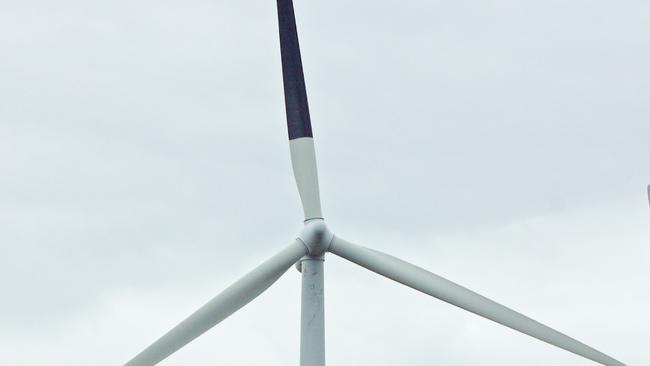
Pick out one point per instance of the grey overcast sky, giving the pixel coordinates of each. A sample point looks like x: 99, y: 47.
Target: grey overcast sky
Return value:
x: 144, y: 166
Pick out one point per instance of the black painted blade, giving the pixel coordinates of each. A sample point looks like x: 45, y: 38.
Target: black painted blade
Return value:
x: 295, y: 95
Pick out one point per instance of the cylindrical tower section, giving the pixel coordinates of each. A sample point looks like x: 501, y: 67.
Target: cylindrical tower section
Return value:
x: 312, y: 320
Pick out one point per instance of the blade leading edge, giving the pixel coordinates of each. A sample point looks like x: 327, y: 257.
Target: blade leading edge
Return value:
x: 445, y: 290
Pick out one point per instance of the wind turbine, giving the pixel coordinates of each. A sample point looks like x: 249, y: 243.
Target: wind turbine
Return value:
x: 315, y: 239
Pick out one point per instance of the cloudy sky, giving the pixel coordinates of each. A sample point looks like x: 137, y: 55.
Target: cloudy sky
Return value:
x: 144, y: 166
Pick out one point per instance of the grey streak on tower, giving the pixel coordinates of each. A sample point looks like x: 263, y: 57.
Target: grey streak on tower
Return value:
x: 312, y: 313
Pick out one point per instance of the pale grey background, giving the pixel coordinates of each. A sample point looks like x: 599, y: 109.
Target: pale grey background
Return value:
x: 144, y: 166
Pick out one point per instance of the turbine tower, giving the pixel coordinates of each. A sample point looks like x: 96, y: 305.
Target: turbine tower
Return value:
x: 315, y: 239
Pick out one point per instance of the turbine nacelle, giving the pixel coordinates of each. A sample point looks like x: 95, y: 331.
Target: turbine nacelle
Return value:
x: 317, y: 239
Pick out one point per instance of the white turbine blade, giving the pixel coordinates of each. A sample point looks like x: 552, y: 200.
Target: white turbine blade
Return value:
x: 445, y: 290
x: 303, y: 160
x: 223, y: 305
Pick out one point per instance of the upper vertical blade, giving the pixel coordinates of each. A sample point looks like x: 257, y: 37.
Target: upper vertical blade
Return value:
x: 301, y: 142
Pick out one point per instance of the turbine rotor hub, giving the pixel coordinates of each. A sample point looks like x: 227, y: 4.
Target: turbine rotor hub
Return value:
x: 316, y: 236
